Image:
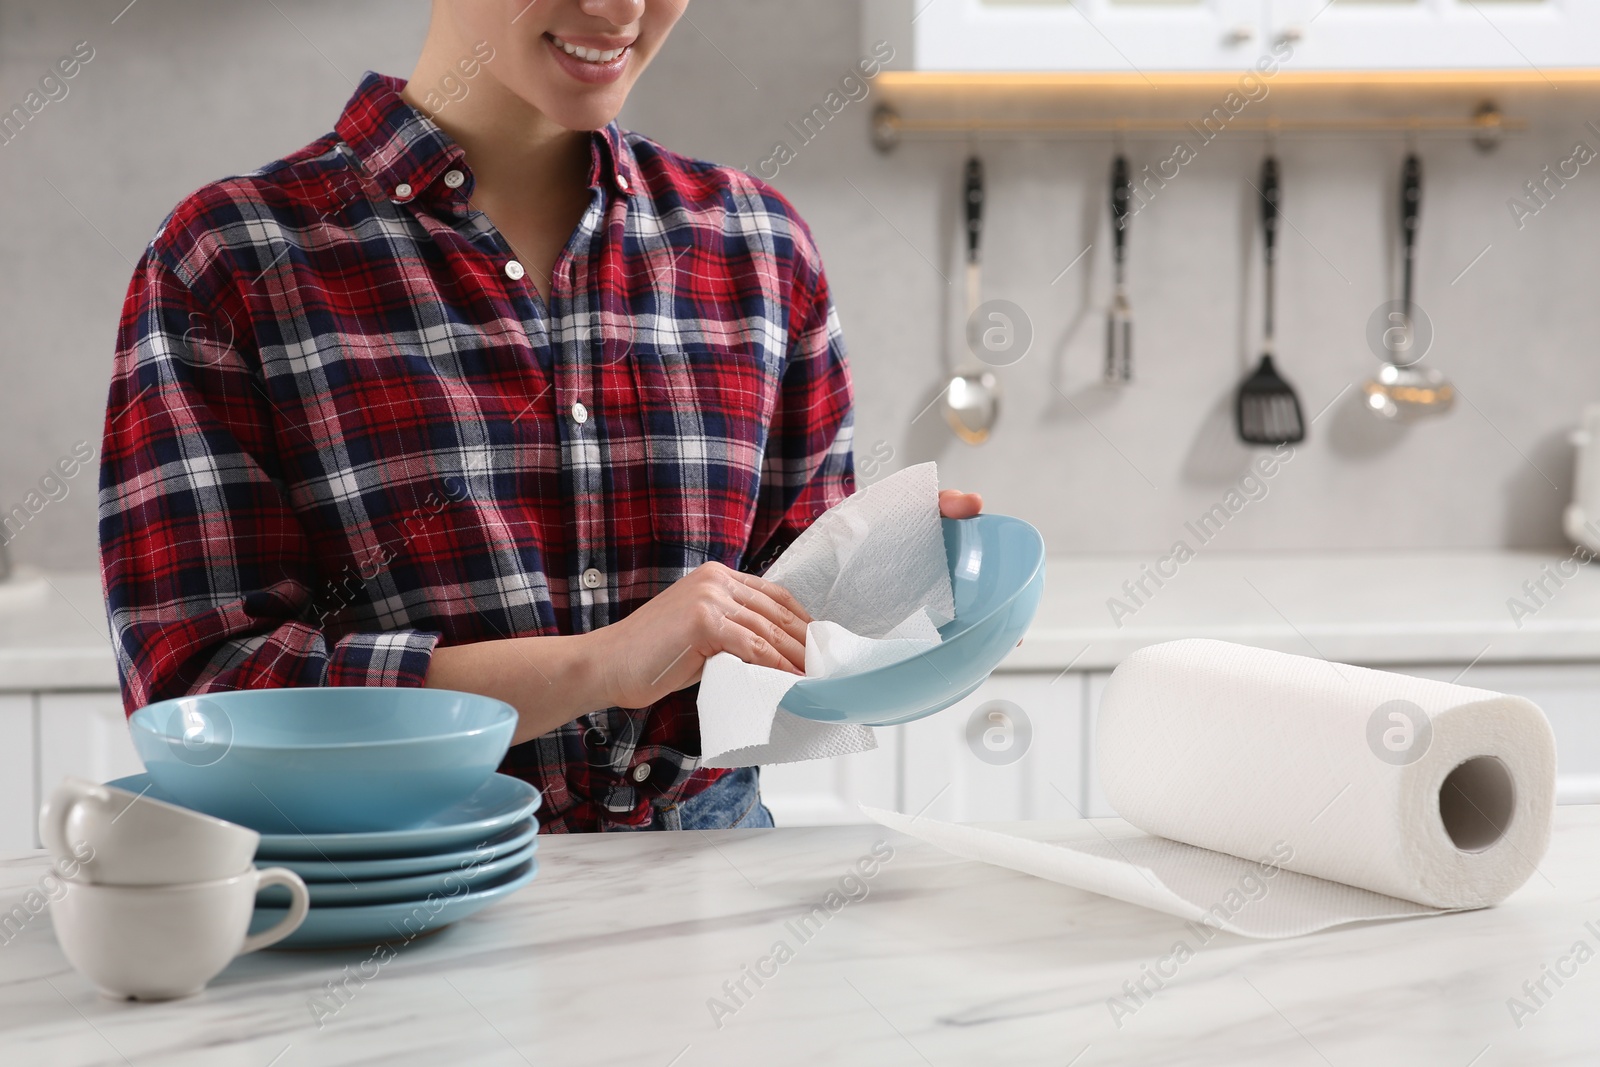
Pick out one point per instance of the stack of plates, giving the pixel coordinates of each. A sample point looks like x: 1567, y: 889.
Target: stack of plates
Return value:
x: 396, y: 885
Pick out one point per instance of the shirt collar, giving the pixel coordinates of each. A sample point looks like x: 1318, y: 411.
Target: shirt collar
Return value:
x: 403, y: 149
x: 612, y: 161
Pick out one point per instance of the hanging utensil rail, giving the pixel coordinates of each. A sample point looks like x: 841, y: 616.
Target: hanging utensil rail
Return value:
x: 889, y: 128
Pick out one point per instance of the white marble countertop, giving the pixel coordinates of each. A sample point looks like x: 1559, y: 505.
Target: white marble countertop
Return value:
x: 942, y: 961
x: 1361, y: 607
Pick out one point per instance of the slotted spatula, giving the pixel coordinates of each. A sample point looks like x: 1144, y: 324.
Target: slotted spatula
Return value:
x: 1267, y: 410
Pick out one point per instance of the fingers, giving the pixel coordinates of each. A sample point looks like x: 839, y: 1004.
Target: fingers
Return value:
x: 756, y: 639
x: 774, y: 615
x: 954, y: 504
x: 791, y: 621
x: 759, y: 621
x: 792, y: 610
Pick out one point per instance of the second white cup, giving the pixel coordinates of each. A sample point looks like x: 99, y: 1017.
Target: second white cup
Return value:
x: 150, y: 942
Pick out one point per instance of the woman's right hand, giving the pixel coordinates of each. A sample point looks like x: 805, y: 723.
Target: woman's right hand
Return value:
x: 663, y: 646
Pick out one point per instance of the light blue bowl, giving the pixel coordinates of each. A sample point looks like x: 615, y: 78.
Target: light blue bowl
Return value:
x: 328, y: 760
x: 997, y: 574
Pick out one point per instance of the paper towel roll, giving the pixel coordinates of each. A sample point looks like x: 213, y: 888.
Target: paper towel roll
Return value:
x: 1430, y: 792
x: 1281, y: 795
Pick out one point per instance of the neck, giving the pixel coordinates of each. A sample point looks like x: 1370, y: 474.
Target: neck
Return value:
x: 510, y: 144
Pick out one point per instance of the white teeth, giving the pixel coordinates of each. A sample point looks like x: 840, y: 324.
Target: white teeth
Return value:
x: 588, y: 55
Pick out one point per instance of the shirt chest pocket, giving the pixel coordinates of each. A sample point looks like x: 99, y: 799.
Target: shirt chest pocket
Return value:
x: 706, y: 414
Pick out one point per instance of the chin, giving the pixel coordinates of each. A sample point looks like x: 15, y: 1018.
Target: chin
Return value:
x: 577, y: 112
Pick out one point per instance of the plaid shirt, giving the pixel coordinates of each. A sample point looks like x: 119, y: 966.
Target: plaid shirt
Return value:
x: 344, y: 428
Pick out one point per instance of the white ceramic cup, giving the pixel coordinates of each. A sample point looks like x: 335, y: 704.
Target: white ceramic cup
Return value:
x: 122, y: 838
x: 158, y: 942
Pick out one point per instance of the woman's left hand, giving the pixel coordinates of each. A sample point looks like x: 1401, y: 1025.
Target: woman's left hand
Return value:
x: 954, y: 504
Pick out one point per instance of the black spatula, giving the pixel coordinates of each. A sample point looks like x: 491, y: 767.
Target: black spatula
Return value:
x: 1267, y: 410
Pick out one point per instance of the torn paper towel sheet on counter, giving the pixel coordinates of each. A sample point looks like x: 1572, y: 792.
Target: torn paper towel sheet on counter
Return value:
x: 1280, y: 795
x: 872, y: 574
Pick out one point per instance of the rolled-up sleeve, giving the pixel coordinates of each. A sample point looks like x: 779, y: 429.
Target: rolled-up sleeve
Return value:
x: 209, y: 577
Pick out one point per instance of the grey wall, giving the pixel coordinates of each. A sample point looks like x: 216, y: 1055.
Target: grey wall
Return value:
x: 180, y: 92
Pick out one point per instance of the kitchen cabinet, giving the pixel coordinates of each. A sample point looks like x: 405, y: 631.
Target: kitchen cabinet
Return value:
x: 1095, y: 805
x: 48, y: 737
x: 826, y: 791
x: 83, y: 735
x: 1139, y: 37
x: 1029, y: 731
x: 18, y: 777
x: 1012, y: 750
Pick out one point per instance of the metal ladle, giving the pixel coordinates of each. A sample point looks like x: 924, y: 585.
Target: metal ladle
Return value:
x: 971, y: 400
x: 1404, y: 389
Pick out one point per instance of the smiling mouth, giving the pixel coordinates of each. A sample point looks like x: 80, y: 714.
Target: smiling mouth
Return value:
x: 588, y: 55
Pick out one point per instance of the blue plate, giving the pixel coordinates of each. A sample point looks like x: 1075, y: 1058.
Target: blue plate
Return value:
x: 364, y: 925
x: 475, y: 873
x: 522, y: 835
x: 499, y: 803
x: 997, y: 574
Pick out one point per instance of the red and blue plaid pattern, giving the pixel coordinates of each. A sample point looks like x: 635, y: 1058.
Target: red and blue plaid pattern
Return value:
x: 340, y: 432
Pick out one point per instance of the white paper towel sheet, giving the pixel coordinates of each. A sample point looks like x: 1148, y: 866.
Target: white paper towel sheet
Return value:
x: 872, y: 573
x: 1280, y: 794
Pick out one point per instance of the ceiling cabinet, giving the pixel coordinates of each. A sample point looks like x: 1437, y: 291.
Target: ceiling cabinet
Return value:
x: 1147, y: 36
x: 1055, y: 35
x: 1522, y: 35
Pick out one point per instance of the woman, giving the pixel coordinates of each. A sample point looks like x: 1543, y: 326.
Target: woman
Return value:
x: 480, y: 392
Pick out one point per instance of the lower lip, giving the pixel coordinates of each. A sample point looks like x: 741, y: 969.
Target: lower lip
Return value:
x: 590, y: 73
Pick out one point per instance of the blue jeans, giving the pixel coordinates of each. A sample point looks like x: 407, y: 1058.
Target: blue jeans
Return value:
x: 733, y: 802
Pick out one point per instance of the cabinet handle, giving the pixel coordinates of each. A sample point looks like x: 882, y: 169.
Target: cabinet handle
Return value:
x: 1291, y: 35
x: 1243, y: 34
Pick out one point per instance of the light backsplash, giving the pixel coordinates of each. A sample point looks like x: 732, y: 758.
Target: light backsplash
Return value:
x: 1096, y: 468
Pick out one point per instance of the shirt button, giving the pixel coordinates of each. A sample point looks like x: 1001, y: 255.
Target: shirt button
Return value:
x: 592, y: 579
x: 622, y: 181
x: 514, y: 270
x: 580, y: 414
x: 454, y: 179
x: 641, y: 772
x: 402, y: 190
